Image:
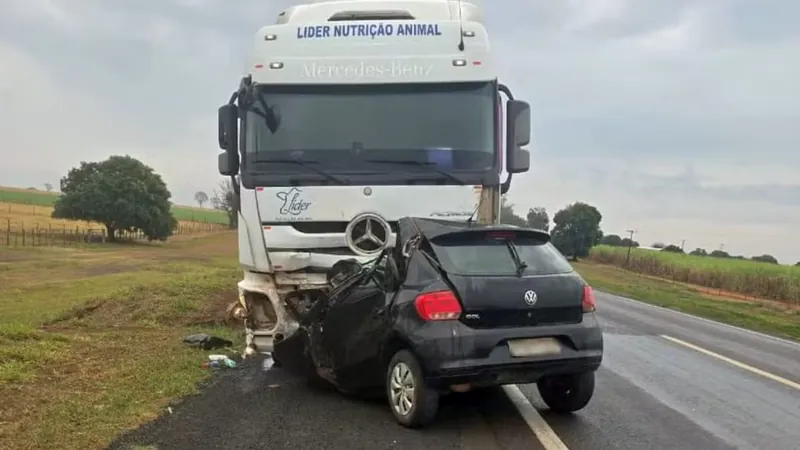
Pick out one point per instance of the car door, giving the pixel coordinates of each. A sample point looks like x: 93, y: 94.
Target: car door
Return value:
x: 354, y: 328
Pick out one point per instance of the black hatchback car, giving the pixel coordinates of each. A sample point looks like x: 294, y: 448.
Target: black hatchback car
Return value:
x: 452, y: 307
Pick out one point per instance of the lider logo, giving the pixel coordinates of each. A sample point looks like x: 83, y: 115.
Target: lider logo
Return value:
x: 293, y: 204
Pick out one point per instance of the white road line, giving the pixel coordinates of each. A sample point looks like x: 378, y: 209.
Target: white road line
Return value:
x: 702, y: 319
x: 733, y: 362
x: 547, y: 437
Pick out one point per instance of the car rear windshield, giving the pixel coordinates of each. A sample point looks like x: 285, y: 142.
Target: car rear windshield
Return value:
x: 488, y: 253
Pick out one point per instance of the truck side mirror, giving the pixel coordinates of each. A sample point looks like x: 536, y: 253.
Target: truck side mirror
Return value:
x: 518, y: 134
x: 228, y: 164
x: 228, y: 137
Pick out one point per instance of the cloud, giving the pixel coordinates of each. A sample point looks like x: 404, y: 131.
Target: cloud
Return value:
x: 675, y: 117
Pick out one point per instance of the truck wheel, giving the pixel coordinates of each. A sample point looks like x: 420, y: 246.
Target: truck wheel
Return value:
x: 567, y: 393
x: 413, y: 403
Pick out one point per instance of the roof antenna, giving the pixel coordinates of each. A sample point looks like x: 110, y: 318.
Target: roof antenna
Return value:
x: 472, y: 216
x: 460, y: 28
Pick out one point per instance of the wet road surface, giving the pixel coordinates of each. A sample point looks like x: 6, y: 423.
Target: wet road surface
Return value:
x: 668, y: 381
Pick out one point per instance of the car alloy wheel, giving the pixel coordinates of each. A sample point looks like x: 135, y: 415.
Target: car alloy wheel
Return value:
x: 402, y: 387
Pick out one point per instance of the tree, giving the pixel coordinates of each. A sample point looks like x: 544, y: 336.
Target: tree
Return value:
x: 798, y: 264
x: 121, y: 193
x: 659, y: 245
x: 699, y: 252
x: 200, y: 197
x: 765, y: 258
x: 538, y: 218
x: 612, y: 239
x: 48, y: 187
x: 226, y: 200
x: 671, y: 248
x: 719, y: 254
x: 508, y: 216
x: 628, y: 242
x: 577, y: 229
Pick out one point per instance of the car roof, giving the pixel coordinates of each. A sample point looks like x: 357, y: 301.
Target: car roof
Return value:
x: 409, y: 227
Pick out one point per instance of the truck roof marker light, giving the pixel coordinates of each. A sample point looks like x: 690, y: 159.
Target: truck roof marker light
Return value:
x: 271, y: 37
x: 476, y: 63
x: 267, y: 228
x: 259, y: 189
x: 259, y: 66
x: 459, y: 62
x: 276, y: 65
x: 468, y: 33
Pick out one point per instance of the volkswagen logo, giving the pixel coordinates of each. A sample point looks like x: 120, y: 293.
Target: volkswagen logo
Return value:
x: 367, y: 234
x: 530, y: 298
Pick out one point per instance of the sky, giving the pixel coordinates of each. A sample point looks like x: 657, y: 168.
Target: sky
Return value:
x: 675, y: 118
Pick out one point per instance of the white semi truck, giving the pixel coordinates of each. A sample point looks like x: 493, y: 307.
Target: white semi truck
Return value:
x: 352, y: 114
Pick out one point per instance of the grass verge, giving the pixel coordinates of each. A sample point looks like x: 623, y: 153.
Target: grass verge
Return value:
x: 91, y: 338
x: 765, y: 316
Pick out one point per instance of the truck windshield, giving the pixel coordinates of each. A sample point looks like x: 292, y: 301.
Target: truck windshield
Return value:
x: 357, y: 128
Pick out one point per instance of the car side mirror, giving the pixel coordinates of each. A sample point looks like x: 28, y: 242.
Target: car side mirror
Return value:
x: 228, y: 137
x: 518, y: 134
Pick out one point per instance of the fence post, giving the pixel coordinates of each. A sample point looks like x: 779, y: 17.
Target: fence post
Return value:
x: 8, y: 233
x: 23, y: 236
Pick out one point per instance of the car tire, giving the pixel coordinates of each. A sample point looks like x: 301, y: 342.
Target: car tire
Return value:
x: 567, y: 393
x: 402, y: 373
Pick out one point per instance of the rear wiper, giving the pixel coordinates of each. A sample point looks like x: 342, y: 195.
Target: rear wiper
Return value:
x: 411, y: 162
x: 306, y: 164
x: 521, y: 265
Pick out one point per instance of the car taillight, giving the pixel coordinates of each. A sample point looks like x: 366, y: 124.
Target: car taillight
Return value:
x: 587, y: 301
x: 439, y: 305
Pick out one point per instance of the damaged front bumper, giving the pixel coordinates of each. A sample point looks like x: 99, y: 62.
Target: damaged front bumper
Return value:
x: 262, y: 309
x: 269, y: 305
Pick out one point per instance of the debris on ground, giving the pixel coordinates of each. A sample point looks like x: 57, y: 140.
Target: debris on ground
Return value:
x: 206, y: 342
x: 268, y: 363
x: 219, y: 361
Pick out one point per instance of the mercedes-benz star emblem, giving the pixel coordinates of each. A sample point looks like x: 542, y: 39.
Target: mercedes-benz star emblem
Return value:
x: 530, y: 298
x: 367, y: 191
x: 367, y: 234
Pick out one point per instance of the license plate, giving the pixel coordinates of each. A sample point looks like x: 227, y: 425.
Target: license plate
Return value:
x: 521, y: 348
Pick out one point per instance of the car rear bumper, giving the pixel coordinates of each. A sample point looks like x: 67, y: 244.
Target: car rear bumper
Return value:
x: 481, y: 357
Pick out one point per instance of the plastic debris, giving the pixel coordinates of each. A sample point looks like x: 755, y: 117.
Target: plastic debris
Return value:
x: 268, y: 362
x: 219, y: 361
x: 206, y: 342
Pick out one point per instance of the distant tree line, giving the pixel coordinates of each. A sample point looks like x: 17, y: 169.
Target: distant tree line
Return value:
x: 616, y: 241
x: 574, y: 231
x: 124, y: 194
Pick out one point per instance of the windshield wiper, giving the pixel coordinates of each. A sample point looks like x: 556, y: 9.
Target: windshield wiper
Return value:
x: 411, y: 162
x: 521, y: 265
x: 307, y: 164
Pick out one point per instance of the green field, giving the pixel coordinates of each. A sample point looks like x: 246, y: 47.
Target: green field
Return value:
x: 91, y: 337
x: 777, y: 319
x: 753, y: 279
x: 43, y: 198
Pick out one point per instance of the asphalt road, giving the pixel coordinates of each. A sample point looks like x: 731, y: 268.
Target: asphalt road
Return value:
x: 668, y: 381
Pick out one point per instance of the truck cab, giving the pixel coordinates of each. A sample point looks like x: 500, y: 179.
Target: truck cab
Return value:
x: 349, y: 116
